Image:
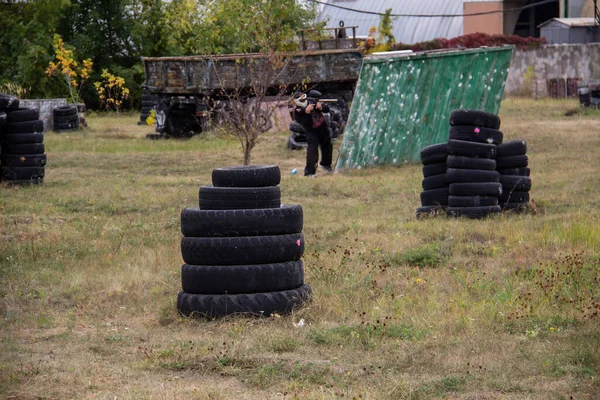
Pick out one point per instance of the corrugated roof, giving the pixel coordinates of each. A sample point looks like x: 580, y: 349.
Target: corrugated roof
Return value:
x: 572, y: 22
x: 406, y: 29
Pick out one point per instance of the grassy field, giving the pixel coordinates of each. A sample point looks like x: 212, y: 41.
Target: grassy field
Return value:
x: 502, y: 308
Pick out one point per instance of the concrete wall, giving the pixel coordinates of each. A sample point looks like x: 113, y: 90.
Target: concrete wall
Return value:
x: 45, y: 107
x: 487, y: 23
x: 553, y: 70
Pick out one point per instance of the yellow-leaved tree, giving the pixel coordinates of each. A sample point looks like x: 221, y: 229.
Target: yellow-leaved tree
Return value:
x: 111, y: 91
x: 72, y: 73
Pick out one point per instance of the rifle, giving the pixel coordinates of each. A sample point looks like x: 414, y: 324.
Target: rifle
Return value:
x: 314, y: 96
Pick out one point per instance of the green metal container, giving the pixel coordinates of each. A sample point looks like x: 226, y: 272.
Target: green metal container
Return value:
x: 403, y: 102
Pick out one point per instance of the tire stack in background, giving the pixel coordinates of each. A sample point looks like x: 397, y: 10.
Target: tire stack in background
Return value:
x: 65, y: 118
x: 472, y: 146
x: 242, y: 247
x: 297, y: 139
x: 434, y: 197
x: 512, y: 164
x: 148, y: 103
x: 22, y: 158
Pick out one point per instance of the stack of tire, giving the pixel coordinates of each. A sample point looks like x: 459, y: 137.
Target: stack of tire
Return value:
x: 512, y: 164
x: 434, y: 197
x: 297, y: 139
x: 335, y: 119
x: 242, y: 247
x: 65, y: 118
x: 474, y: 183
x: 22, y: 158
x: 148, y: 103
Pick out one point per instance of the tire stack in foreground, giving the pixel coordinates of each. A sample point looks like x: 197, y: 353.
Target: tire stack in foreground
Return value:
x: 434, y: 197
x: 148, y: 103
x: 65, y: 118
x: 242, y: 247
x: 297, y: 139
x: 22, y: 158
x: 512, y: 164
x: 472, y: 147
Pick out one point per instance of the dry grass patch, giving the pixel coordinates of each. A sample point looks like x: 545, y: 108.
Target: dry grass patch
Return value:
x: 501, y: 308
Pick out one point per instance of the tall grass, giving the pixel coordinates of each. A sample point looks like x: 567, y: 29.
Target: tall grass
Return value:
x: 402, y: 308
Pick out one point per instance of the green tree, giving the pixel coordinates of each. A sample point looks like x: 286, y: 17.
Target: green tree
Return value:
x: 26, y: 44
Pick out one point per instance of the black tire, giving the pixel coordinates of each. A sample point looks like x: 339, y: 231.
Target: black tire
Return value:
x: 515, y: 182
x: 297, y: 127
x: 234, y: 279
x: 520, y: 161
x: 258, y: 304
x: 64, y: 111
x: 24, y: 127
x: 474, y: 118
x: 3, y: 118
x: 146, y: 110
x: 454, y: 175
x: 434, y: 169
x: 237, y: 198
x: 246, y: 176
x: 23, y: 114
x: 512, y: 148
x: 434, y: 197
x: 71, y: 119
x: 476, y: 189
x: 435, y: 182
x: 22, y: 138
x: 23, y: 160
x: 473, y: 212
x: 148, y: 103
x: 486, y: 164
x: 8, y: 102
x: 242, y: 250
x: 430, y: 211
x: 472, y: 201
x: 66, y: 127
x: 295, y: 141
x: 22, y: 173
x: 286, y: 219
x: 514, y: 196
x: 525, y: 171
x: 434, y: 154
x: 33, y: 148
x: 475, y: 134
x: 471, y: 149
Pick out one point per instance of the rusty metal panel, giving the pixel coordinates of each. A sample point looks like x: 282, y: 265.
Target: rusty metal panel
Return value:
x: 403, y: 102
x: 197, y: 74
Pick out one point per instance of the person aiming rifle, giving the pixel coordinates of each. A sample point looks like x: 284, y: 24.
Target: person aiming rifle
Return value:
x: 308, y: 112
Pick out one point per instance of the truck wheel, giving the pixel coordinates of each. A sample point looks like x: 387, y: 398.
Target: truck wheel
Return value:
x: 246, y: 176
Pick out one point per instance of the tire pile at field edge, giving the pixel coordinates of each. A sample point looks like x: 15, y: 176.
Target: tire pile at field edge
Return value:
x: 22, y: 158
x: 65, y: 118
x: 242, y: 247
x: 474, y: 174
